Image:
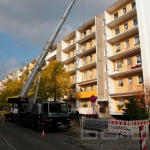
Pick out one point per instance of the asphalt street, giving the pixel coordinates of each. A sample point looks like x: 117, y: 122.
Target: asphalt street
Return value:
x: 24, y: 138
x: 15, y: 137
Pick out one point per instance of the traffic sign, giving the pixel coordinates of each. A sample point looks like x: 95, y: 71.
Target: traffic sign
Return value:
x: 93, y: 99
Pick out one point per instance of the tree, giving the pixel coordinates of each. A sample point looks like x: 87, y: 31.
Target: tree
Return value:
x: 134, y: 111
x: 12, y: 88
x: 142, y: 98
x: 55, y: 82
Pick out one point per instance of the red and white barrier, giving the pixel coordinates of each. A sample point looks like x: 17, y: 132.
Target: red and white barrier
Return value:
x: 142, y: 138
x: 127, y: 127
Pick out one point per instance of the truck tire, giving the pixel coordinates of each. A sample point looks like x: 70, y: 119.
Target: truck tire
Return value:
x: 6, y: 117
x: 34, y: 125
x: 54, y: 126
x: 12, y: 118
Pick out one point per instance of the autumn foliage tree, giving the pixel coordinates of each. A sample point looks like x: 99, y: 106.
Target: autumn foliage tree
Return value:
x: 12, y: 88
x: 54, y: 83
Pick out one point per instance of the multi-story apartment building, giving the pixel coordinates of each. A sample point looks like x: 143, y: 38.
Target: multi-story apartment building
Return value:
x: 83, y: 56
x: 127, y: 50
x: 108, y: 57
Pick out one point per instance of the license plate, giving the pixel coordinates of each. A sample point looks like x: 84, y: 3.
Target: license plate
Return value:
x: 59, y: 122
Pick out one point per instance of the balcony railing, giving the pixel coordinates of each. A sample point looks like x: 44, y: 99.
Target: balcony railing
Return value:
x: 136, y: 66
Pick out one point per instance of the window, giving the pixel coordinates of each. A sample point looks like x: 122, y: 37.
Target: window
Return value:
x: 84, y: 74
x: 138, y: 59
x: 118, y: 48
x: 69, y: 43
x: 126, y: 26
x: 135, y: 22
x: 84, y: 60
x: 90, y: 30
x: 119, y: 64
x: 120, y: 83
x: 68, y: 66
x: 84, y: 46
x: 73, y: 78
x: 137, y: 40
x: 117, y: 31
x: 127, y: 44
x: 115, y: 15
x: 91, y: 87
x: 91, y: 72
x: 104, y: 52
x: 133, y: 5
x: 73, y: 53
x: 72, y: 40
x: 124, y: 10
x: 84, y: 33
x: 140, y: 78
x: 90, y: 57
x: 104, y: 37
x: 128, y: 61
x: 121, y: 101
x: 105, y: 68
x: 85, y: 88
x: 73, y: 65
x: 129, y: 80
x: 68, y: 55
x: 103, y: 22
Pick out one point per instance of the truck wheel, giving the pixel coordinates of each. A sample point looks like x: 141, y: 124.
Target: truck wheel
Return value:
x: 6, y: 117
x: 34, y: 124
x: 12, y: 118
x: 54, y: 126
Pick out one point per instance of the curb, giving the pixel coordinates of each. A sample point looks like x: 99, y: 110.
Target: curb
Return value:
x: 8, y: 144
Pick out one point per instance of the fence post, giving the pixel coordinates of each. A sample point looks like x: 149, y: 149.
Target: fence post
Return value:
x: 142, y: 138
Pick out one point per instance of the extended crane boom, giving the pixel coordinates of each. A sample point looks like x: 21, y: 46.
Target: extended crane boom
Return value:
x: 48, y: 46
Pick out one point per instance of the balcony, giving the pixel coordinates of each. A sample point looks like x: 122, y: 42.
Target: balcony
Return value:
x: 73, y: 81
x: 68, y: 60
x: 126, y: 53
x: 127, y: 72
x: 86, y: 94
x: 88, y: 80
x: 116, y: 5
x: 136, y: 66
x: 70, y: 47
x: 124, y: 94
x: 71, y: 71
x: 122, y: 18
x: 31, y: 67
x: 86, y: 38
x: 87, y: 51
x: 51, y: 55
x: 123, y: 35
x: 88, y: 65
x: 19, y: 74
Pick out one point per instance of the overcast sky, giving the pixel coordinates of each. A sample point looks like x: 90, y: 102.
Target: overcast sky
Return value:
x: 26, y: 26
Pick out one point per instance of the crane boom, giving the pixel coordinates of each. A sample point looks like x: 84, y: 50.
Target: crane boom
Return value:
x: 42, y: 57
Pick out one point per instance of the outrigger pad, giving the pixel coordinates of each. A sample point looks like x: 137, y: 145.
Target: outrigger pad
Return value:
x: 18, y: 100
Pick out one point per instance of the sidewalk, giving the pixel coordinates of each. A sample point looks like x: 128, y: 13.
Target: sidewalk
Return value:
x: 106, y: 141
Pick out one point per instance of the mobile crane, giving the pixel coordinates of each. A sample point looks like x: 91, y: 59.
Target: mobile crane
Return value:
x: 52, y: 113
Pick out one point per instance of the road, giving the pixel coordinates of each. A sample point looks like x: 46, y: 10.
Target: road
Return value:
x: 24, y: 138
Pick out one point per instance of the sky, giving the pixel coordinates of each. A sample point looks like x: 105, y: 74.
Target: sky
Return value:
x: 26, y: 26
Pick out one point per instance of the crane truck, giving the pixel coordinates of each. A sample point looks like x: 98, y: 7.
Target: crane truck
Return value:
x: 31, y: 113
